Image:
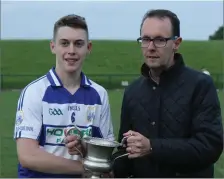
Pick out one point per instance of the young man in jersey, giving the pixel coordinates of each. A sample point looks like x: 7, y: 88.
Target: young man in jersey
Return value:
x: 59, y: 99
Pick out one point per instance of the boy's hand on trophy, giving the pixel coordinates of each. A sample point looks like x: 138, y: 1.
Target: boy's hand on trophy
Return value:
x: 74, y: 145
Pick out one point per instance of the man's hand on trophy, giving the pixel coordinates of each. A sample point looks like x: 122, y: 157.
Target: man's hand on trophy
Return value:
x: 137, y: 144
x: 74, y: 145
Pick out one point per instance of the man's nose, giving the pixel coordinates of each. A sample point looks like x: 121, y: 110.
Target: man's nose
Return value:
x: 151, y: 45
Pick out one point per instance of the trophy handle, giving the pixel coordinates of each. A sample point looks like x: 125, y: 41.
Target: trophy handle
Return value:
x: 124, y: 145
x: 124, y: 141
x: 79, y: 135
x: 69, y: 129
x: 120, y: 156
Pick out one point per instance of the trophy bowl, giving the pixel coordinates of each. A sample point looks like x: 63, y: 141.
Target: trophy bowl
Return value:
x: 99, y: 153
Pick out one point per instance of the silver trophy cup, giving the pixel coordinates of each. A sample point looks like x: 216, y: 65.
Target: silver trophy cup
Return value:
x: 98, y: 155
x: 99, y: 151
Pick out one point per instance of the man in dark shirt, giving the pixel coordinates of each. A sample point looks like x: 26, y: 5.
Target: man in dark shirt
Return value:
x: 171, y: 113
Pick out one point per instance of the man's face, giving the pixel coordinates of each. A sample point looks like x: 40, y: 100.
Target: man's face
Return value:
x: 70, y: 47
x: 158, y: 57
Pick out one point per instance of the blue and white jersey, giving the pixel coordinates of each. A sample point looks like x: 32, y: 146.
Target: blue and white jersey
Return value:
x: 46, y: 108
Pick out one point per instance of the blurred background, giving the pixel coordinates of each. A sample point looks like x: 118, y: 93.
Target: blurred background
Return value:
x: 27, y: 28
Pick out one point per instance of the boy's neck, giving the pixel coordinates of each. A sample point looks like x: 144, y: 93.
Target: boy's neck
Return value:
x: 70, y: 81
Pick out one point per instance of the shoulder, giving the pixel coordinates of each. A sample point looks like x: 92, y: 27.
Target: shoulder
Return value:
x: 35, y: 89
x: 202, y: 85
x: 101, y: 91
x: 198, y: 77
x: 134, y: 86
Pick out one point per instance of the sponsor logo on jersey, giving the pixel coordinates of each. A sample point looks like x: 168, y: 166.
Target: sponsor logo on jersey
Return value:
x: 24, y: 128
x: 19, y: 117
x: 91, y: 113
x: 73, y: 108
x: 55, y: 135
x: 55, y: 111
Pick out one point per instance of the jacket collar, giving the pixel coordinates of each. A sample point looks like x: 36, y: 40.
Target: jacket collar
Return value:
x: 168, y: 73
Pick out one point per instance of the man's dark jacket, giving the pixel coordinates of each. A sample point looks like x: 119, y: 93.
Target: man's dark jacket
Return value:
x: 182, y: 119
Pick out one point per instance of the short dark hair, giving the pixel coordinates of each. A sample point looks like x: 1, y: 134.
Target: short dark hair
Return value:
x: 163, y: 13
x: 73, y: 21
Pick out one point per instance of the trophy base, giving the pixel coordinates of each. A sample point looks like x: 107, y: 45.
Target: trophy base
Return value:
x: 89, y: 174
x: 95, y: 175
x: 96, y: 168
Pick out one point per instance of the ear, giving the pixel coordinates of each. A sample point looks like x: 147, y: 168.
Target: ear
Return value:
x: 52, y: 46
x: 177, y: 43
x: 89, y: 47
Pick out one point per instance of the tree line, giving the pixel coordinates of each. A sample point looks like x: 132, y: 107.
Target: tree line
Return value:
x: 218, y: 34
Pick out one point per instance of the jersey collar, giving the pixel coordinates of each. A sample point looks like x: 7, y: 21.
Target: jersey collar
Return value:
x: 55, y: 80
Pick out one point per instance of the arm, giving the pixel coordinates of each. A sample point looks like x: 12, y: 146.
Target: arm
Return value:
x: 106, y: 125
x: 123, y: 166
x: 206, y: 143
x: 35, y: 158
x: 27, y: 129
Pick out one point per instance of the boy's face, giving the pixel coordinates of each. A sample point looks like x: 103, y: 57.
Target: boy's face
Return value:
x: 70, y: 46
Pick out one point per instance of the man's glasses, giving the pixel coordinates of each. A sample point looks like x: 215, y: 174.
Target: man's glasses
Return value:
x: 158, y: 42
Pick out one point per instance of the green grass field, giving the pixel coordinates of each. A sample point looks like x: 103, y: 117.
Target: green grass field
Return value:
x: 8, y: 151
x: 107, y: 57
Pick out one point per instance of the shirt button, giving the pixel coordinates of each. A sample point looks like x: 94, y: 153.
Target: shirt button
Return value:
x: 153, y: 123
x: 153, y: 87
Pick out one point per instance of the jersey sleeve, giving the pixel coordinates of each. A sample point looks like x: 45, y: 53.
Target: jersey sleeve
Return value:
x: 28, y: 122
x: 106, y: 125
